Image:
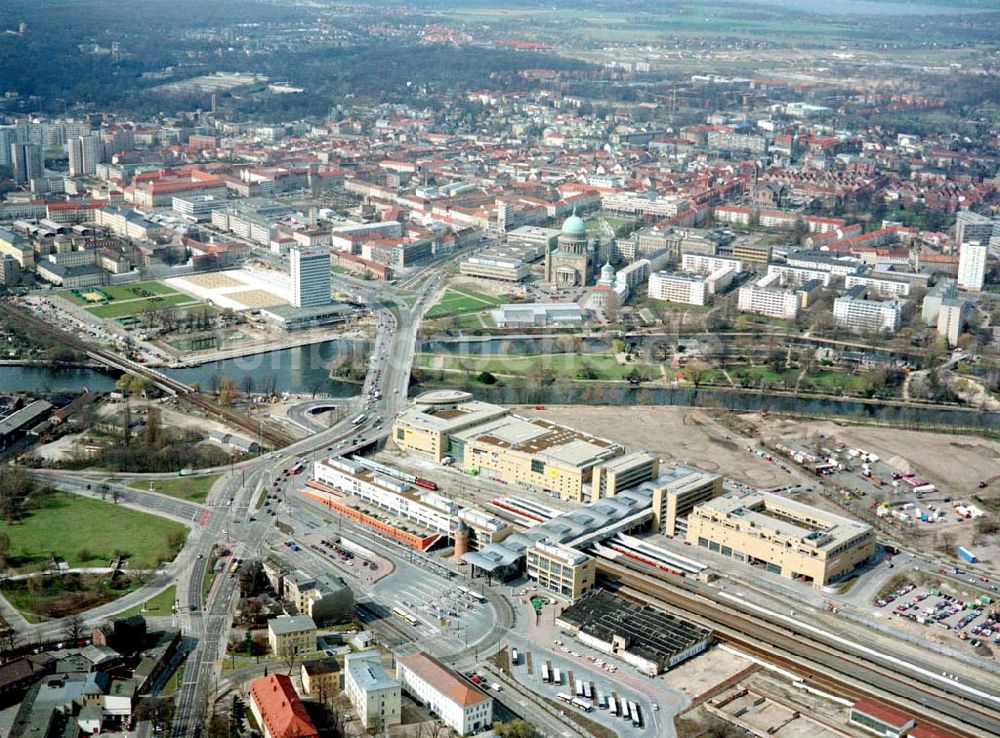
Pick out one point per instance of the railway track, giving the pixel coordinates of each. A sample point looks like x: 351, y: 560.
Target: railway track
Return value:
x: 266, y: 433
x: 827, y: 666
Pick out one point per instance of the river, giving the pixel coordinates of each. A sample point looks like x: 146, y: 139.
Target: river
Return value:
x: 303, y: 369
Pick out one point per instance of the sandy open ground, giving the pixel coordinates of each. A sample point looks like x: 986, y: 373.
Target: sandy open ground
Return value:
x: 237, y: 289
x: 953, y: 462
x: 213, y: 280
x: 672, y: 433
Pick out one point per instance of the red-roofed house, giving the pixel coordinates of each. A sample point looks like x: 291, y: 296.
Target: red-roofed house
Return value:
x: 459, y: 703
x: 881, y: 719
x: 278, y: 709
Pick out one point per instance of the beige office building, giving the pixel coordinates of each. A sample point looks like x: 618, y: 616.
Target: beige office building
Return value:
x: 783, y: 536
x: 534, y: 453
x: 621, y: 473
x: 428, y: 424
x: 561, y: 570
x: 676, y: 493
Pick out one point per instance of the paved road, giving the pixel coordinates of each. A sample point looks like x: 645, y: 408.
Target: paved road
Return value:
x: 208, y: 623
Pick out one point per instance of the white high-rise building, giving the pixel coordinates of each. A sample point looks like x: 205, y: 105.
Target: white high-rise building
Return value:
x: 972, y: 266
x: 85, y: 153
x: 310, y: 277
x: 952, y: 319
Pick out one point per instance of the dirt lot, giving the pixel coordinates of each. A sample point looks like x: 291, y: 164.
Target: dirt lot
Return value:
x: 954, y: 463
x: 672, y: 433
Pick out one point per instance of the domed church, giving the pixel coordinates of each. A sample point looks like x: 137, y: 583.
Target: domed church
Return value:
x: 572, y: 262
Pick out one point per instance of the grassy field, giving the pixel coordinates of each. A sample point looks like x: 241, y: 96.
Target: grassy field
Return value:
x: 567, y: 366
x: 460, y: 301
x: 138, y: 306
x: 835, y: 380
x: 118, y: 293
x: 87, y: 532
x: 161, y: 604
x: 192, y: 489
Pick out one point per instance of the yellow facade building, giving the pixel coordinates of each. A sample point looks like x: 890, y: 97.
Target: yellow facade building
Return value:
x: 677, y: 492
x: 561, y: 569
x: 783, y: 536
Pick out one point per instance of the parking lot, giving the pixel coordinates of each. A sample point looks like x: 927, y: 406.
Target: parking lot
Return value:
x: 606, y: 682
x: 971, y: 620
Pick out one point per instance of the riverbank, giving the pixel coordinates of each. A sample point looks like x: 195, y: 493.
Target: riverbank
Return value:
x: 895, y: 413
x: 53, y: 364
x: 199, y: 358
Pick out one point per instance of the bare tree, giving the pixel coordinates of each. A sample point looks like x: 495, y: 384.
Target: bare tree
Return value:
x: 73, y: 627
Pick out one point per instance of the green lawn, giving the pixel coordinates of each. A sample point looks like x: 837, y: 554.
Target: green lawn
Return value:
x: 174, y: 682
x: 208, y: 580
x: 192, y: 489
x: 120, y: 292
x: 456, y: 301
x: 140, y: 305
x: 86, y: 532
x: 472, y: 321
x: 161, y: 604
x: 831, y: 380
x: 568, y: 366
x: 756, y: 373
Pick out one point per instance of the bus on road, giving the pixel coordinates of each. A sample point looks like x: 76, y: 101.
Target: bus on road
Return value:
x: 360, y: 419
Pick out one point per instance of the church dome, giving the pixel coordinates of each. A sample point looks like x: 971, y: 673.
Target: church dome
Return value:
x: 607, y: 273
x: 574, y: 226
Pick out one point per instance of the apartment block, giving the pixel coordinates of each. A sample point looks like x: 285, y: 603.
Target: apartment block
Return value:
x: 687, y: 289
x: 766, y: 297
x: 374, y: 695
x: 854, y: 312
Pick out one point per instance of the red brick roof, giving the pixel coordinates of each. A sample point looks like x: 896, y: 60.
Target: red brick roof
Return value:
x: 888, y: 715
x: 280, y: 708
x: 929, y: 731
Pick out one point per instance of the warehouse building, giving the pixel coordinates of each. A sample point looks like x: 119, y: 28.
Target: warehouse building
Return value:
x: 19, y: 422
x: 785, y: 537
x: 651, y: 640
